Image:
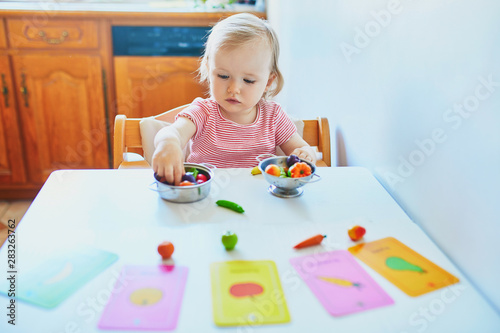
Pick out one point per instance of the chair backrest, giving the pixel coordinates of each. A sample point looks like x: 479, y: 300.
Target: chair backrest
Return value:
x: 127, y: 135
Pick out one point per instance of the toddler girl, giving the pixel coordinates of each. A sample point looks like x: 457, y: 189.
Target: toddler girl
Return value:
x: 237, y: 123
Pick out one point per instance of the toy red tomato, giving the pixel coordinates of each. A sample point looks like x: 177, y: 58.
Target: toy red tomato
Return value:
x: 201, y: 178
x: 166, y: 249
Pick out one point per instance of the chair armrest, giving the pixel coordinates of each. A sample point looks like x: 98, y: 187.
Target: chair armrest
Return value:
x: 321, y: 163
x: 133, y: 161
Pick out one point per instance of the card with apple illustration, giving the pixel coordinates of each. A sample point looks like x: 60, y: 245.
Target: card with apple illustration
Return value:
x: 247, y: 293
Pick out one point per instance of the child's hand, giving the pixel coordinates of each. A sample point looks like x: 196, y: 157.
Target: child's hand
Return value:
x: 168, y: 157
x: 168, y: 161
x: 305, y: 153
x: 297, y: 146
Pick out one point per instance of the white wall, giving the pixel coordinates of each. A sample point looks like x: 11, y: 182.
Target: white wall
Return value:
x: 409, y: 98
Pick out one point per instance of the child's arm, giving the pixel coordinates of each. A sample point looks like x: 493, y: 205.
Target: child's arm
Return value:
x: 297, y: 146
x: 168, y: 158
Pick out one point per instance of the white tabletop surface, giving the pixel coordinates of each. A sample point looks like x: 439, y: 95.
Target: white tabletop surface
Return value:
x: 115, y: 210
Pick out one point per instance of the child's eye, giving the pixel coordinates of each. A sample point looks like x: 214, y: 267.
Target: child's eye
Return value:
x: 249, y: 81
x: 224, y: 77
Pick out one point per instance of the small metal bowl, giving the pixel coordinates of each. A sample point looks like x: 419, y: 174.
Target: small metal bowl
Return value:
x: 186, y: 194
x: 286, y: 187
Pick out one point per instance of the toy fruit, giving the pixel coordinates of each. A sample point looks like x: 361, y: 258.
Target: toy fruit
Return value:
x: 166, y: 249
x: 314, y: 240
x: 356, y: 233
x: 188, y: 176
x: 229, y: 240
x: 300, y: 169
x: 255, y: 171
x: 291, y: 160
x: 186, y: 183
x: 273, y: 169
x: 201, y: 178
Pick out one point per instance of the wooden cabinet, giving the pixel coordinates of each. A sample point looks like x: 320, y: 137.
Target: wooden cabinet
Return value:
x: 53, y: 103
x: 61, y: 88
x: 3, y: 36
x: 12, y: 168
x: 62, y: 113
x: 56, y: 34
x: 147, y: 86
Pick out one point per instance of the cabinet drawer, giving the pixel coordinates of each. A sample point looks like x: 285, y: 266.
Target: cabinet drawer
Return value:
x: 78, y: 34
x: 3, y: 38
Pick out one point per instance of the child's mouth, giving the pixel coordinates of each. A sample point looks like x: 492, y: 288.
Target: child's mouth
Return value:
x: 232, y: 101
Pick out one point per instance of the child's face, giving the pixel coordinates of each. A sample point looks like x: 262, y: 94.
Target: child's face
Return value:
x: 238, y: 78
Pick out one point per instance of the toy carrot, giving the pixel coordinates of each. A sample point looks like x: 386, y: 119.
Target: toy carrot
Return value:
x: 315, y: 240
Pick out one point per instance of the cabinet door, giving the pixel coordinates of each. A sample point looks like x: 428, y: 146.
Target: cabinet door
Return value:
x: 11, y: 154
x: 147, y: 86
x: 3, y: 38
x: 61, y: 102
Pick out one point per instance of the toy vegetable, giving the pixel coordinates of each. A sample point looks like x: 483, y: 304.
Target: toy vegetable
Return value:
x: 300, y: 169
x: 166, y: 249
x: 231, y: 205
x: 315, y: 240
x: 356, y: 233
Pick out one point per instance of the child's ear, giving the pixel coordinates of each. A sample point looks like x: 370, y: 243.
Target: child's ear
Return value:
x: 270, y: 81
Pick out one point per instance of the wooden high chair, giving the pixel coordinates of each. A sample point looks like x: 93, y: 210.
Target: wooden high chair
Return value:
x: 127, y: 136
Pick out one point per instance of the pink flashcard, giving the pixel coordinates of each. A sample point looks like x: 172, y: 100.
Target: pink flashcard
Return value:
x: 340, y: 283
x: 146, y: 298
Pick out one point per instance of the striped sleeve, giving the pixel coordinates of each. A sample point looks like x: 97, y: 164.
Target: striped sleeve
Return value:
x: 198, y: 113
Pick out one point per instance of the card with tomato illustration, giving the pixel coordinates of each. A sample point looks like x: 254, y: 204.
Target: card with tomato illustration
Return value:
x: 340, y: 283
x: 247, y: 293
x: 53, y: 281
x: 145, y: 298
x: 406, y: 269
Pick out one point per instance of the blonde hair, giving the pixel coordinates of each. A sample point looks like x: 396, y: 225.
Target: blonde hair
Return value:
x: 237, y: 30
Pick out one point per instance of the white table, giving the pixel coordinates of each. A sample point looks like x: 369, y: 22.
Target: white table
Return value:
x: 114, y: 210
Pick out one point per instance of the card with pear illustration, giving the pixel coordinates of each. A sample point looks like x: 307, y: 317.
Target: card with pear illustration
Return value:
x: 406, y: 269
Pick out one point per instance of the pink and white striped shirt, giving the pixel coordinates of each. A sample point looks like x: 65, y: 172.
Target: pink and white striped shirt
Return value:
x: 226, y: 144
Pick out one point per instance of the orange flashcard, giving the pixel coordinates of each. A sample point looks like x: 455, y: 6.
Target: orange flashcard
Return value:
x: 405, y: 268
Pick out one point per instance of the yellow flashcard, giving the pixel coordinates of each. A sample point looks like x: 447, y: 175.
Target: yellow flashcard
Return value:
x: 405, y: 268
x: 247, y: 293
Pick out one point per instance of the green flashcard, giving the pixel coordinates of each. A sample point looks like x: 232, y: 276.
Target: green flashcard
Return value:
x: 50, y: 283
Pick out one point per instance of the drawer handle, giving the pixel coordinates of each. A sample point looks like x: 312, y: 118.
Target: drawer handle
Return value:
x: 24, y: 90
x: 59, y: 40
x: 5, y: 92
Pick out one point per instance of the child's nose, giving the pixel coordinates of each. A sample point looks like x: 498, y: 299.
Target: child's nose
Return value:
x: 233, y: 87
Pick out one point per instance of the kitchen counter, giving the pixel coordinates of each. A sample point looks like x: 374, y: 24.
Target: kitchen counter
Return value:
x: 174, y: 12
x: 121, y: 6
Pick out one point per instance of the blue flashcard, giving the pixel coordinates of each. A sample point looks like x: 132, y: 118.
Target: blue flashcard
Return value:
x: 50, y: 283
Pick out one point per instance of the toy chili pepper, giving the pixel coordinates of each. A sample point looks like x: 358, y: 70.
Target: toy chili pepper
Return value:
x: 315, y: 240
x: 356, y: 233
